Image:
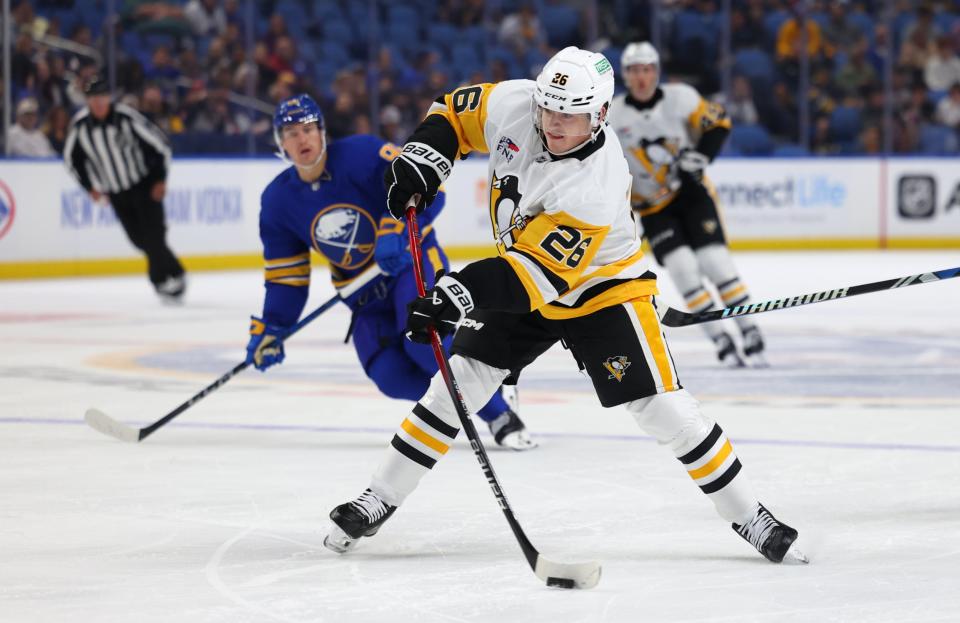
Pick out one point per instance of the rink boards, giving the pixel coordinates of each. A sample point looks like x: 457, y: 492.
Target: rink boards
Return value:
x: 49, y: 226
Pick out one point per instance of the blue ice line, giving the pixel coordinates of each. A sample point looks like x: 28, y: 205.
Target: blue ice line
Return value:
x: 799, y: 443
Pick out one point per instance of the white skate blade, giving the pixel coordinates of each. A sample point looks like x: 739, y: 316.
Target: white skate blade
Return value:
x: 756, y: 361
x: 560, y: 575
x: 518, y: 441
x: 794, y: 556
x: 732, y: 361
x: 103, y: 423
x: 339, y: 541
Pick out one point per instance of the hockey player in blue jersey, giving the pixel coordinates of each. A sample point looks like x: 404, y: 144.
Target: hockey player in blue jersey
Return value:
x: 332, y: 200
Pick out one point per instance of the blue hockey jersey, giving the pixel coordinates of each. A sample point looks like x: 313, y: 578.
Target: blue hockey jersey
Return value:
x: 339, y: 216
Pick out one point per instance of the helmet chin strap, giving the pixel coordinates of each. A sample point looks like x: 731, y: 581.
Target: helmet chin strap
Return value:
x: 543, y: 137
x: 590, y: 138
x: 282, y: 154
x: 307, y: 167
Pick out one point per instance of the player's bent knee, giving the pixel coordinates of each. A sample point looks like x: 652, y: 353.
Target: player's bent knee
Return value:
x: 407, y: 387
x: 396, y: 377
x: 673, y: 418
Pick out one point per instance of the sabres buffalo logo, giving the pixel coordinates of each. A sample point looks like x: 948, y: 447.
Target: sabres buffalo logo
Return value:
x: 617, y: 367
x: 345, y: 234
x: 505, y: 209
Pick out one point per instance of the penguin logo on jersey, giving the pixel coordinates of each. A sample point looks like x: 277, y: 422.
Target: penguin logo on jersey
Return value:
x: 345, y: 234
x: 617, y: 367
x: 658, y: 159
x: 660, y: 151
x: 505, y: 209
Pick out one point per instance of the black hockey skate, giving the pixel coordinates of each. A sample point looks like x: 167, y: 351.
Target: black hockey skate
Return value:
x: 171, y: 290
x: 753, y: 347
x: 509, y: 432
x: 727, y: 351
x: 771, y: 538
x: 355, y: 520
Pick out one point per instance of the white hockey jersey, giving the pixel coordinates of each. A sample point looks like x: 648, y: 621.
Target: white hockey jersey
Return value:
x: 653, y: 136
x: 562, y: 223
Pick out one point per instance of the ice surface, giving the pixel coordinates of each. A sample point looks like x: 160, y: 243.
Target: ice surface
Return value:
x: 852, y: 436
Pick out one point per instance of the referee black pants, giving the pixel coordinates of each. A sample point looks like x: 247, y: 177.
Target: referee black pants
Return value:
x: 145, y: 224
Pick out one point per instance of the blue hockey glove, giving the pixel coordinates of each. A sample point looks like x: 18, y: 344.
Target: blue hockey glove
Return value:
x: 265, y: 347
x: 391, y: 253
x: 443, y: 307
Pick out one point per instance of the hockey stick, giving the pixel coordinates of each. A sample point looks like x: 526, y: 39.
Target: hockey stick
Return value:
x: 100, y: 421
x: 676, y: 318
x: 562, y: 575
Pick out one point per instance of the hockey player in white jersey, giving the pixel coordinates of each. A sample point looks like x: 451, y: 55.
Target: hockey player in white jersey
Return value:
x: 669, y: 135
x: 570, y: 268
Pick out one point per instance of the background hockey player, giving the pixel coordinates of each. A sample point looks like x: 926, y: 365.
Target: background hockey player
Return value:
x: 333, y: 200
x: 570, y: 267
x: 669, y: 135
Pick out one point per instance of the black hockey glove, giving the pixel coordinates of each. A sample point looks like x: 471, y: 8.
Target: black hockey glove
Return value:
x: 418, y: 170
x: 691, y: 164
x: 443, y: 307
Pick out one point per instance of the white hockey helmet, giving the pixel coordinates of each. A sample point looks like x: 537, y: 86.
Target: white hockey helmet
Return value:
x: 575, y: 81
x: 639, y: 53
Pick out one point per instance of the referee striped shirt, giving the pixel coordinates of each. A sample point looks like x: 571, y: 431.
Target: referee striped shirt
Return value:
x: 116, y: 154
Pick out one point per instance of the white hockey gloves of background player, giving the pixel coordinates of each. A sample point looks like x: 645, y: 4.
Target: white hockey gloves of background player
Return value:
x: 418, y: 170
x: 443, y: 307
x: 692, y: 162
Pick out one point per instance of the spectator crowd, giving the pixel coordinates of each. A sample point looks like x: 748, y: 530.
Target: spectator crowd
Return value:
x: 209, y: 71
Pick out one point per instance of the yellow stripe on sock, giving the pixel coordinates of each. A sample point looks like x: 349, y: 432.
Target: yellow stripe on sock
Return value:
x: 423, y: 437
x: 699, y: 300
x: 734, y: 293
x: 714, y: 463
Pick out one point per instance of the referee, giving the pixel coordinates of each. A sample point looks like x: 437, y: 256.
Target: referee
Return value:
x: 114, y: 151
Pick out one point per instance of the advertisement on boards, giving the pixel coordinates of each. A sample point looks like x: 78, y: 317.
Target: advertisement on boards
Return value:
x: 820, y: 199
x: 212, y: 207
x: 924, y: 199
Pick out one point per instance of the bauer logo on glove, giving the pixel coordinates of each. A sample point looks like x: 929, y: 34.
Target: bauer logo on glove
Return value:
x: 418, y: 170
x: 424, y: 154
x: 443, y: 307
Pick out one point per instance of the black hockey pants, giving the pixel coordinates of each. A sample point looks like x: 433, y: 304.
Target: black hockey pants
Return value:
x: 144, y: 222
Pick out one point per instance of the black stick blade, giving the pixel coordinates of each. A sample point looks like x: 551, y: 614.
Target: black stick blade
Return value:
x: 567, y: 575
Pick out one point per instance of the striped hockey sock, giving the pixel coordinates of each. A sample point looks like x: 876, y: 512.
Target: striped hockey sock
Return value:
x: 714, y: 467
x: 421, y: 441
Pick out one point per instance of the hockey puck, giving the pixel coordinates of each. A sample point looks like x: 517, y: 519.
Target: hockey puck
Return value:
x: 560, y: 582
